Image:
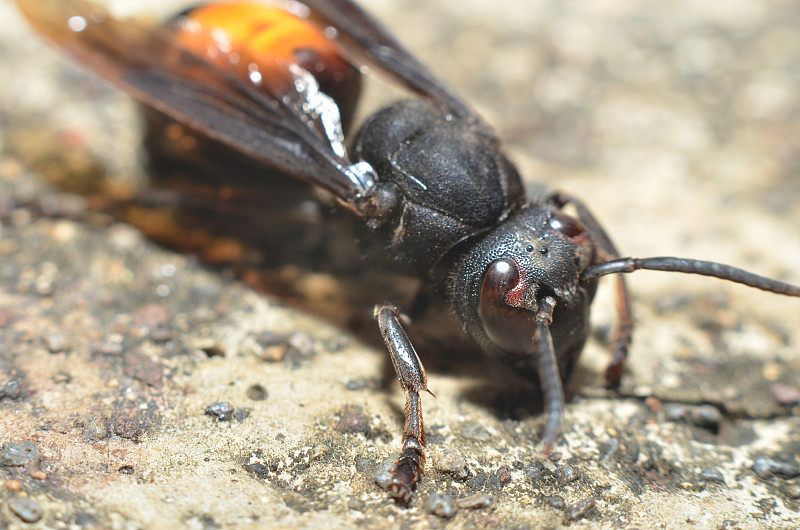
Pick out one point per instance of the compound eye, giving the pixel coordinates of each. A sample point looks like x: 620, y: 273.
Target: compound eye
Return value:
x: 567, y: 225
x: 509, y: 327
x: 500, y: 278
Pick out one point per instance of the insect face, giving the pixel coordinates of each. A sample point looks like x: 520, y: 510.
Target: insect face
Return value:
x: 539, y: 253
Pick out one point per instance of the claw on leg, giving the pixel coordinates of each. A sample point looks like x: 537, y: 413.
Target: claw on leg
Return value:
x: 408, y: 467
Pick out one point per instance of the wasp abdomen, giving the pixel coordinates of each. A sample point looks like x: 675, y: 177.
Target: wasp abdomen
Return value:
x: 258, y: 42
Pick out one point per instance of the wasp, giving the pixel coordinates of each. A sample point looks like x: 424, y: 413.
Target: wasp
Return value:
x: 426, y: 176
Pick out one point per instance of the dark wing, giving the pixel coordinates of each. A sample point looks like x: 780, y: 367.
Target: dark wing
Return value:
x: 370, y: 43
x: 150, y: 65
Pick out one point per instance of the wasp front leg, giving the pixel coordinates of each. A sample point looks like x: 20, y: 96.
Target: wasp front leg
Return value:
x: 411, y: 375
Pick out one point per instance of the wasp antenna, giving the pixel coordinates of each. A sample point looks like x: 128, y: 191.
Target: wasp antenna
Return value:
x: 690, y: 266
x: 549, y: 375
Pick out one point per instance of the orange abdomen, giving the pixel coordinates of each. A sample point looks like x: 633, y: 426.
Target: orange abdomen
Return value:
x: 259, y: 42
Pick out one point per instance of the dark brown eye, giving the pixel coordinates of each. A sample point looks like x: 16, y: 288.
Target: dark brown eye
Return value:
x: 501, y: 276
x: 567, y: 225
x: 509, y: 327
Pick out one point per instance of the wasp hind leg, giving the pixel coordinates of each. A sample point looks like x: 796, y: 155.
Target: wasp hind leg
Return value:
x: 411, y: 374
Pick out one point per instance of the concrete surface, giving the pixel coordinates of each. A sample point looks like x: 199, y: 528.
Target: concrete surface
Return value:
x: 678, y: 123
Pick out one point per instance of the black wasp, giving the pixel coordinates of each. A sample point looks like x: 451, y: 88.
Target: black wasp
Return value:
x: 426, y: 175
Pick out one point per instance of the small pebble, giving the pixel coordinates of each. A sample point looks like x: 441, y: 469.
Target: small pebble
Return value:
x: 567, y: 474
x: 675, y: 412
x: 94, y: 427
x: 301, y: 343
x: 503, y: 475
x: 273, y: 354
x: 56, y: 342
x: 555, y: 501
x: 384, y: 479
x: 39, y: 475
x: 256, y: 393
x: 693, y: 486
x: 479, y: 501
x: 160, y: 334
x: 534, y: 473
x: 84, y: 519
x: 222, y: 410
x: 129, y: 427
x: 15, y: 454
x: 11, y: 389
x: 356, y: 504
x: 579, y: 509
x: 452, y: 462
x: 13, y: 485
x: 213, y: 350
x: 713, y: 475
x: 784, y: 394
x: 353, y: 421
x: 766, y: 467
x: 441, y: 505
x: 653, y: 403
x: 62, y: 378
x: 705, y: 416
x: 26, y: 509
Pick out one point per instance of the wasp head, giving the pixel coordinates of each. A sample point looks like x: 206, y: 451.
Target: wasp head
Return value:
x: 501, y: 284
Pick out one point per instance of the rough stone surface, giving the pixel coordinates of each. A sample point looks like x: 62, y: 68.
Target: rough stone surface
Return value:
x: 18, y: 454
x: 677, y: 122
